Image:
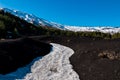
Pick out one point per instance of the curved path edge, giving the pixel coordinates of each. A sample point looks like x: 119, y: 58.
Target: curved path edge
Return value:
x: 54, y: 66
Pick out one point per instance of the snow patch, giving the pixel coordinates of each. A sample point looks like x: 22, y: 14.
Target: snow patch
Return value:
x: 54, y: 66
x: 19, y: 73
x: 105, y: 29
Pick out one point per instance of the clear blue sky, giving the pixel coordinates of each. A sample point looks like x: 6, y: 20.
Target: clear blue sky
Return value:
x: 71, y: 12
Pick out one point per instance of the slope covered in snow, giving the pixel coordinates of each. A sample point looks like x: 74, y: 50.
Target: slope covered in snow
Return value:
x: 42, y: 22
x: 33, y: 19
x: 54, y: 66
x: 105, y: 29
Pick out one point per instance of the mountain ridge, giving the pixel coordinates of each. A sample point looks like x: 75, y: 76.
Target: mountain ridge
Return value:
x: 33, y: 19
x: 42, y: 22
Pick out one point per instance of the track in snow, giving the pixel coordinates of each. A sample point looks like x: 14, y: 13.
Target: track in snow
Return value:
x: 54, y: 66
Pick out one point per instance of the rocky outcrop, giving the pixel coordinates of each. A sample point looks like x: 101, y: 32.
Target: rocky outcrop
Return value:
x: 112, y: 55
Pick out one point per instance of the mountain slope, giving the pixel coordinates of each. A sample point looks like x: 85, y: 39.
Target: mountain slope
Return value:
x: 15, y: 24
x: 42, y: 22
x: 14, y: 27
x: 33, y: 19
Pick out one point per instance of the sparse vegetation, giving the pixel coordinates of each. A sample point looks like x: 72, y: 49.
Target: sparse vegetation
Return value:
x: 112, y: 55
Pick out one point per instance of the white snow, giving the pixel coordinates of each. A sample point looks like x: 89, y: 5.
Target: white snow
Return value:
x: 32, y: 18
x: 105, y: 29
x: 54, y: 66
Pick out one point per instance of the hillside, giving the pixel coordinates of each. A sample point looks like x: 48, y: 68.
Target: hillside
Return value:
x: 12, y: 26
x: 30, y: 18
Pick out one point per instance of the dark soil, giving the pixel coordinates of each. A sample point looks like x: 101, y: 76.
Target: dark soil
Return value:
x: 94, y: 58
x: 20, y: 52
x: 87, y: 61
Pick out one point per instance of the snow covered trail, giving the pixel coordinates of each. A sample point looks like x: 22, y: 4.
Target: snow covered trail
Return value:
x: 54, y: 66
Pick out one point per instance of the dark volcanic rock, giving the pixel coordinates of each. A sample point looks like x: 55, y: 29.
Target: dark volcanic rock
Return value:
x: 18, y: 53
x: 94, y: 58
x: 112, y: 55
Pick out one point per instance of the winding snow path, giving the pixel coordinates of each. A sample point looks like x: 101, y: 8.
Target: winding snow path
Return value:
x: 54, y: 66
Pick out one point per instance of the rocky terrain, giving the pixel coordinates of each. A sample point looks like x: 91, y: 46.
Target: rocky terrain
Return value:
x: 94, y: 58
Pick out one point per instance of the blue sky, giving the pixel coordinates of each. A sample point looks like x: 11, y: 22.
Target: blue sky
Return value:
x: 71, y: 12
